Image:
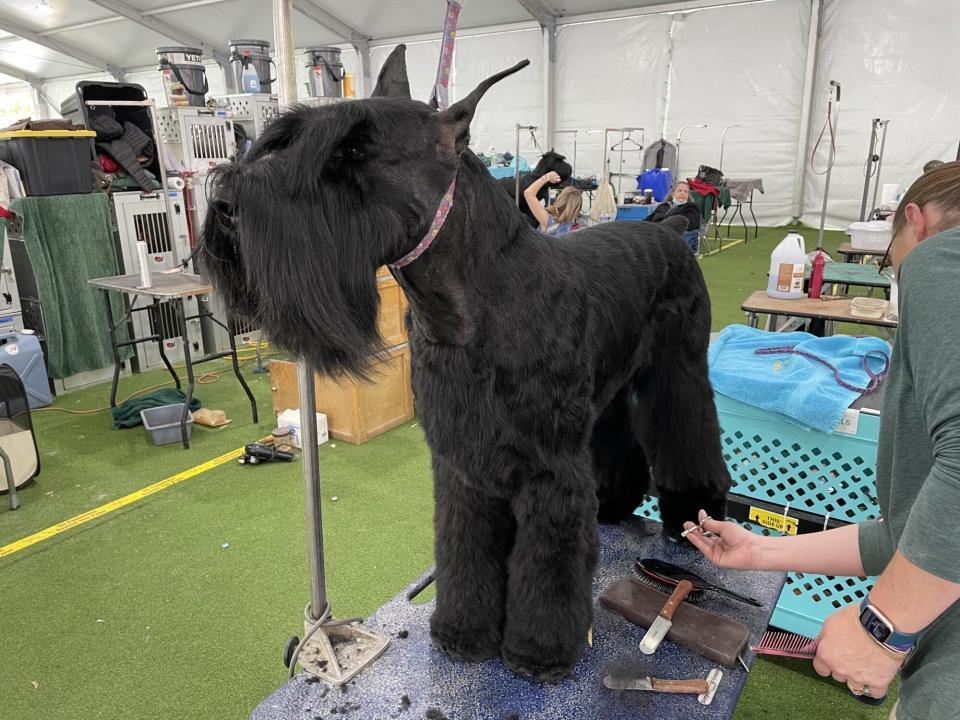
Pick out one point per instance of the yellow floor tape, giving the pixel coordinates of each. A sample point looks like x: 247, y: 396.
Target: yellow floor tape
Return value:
x: 109, y: 507
x: 725, y: 247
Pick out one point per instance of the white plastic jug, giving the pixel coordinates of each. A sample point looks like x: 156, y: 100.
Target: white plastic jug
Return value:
x: 250, y: 79
x: 787, y: 263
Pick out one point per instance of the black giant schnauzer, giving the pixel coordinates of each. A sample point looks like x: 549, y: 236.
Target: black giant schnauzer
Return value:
x: 549, y: 161
x: 552, y: 376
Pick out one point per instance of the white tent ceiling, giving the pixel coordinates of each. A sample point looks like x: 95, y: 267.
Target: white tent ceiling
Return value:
x: 92, y: 28
x: 757, y: 66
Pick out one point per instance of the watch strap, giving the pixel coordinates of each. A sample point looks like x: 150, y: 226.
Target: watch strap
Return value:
x: 898, y: 642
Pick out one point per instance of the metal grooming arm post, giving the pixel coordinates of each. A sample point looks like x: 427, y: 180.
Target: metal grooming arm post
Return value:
x: 723, y: 142
x: 835, y: 97
x: 876, y: 182
x: 161, y: 151
x: 516, y: 174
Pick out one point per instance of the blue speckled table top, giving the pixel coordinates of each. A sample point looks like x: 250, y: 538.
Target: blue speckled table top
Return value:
x: 437, y: 687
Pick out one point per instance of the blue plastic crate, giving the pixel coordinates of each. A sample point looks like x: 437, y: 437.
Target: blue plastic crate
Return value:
x: 774, y: 460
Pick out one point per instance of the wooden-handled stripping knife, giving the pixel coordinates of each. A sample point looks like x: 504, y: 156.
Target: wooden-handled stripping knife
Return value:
x: 658, y: 630
x: 703, y: 689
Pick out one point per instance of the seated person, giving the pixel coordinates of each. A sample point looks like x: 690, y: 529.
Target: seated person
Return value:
x: 561, y: 217
x: 678, y: 203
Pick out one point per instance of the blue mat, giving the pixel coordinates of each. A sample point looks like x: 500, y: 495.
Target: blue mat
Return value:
x: 463, y: 691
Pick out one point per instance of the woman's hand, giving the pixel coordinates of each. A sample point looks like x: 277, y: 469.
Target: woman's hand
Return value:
x: 552, y: 178
x: 732, y: 547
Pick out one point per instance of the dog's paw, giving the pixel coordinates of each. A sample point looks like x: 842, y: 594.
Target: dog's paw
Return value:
x: 462, y: 640
x: 539, y: 663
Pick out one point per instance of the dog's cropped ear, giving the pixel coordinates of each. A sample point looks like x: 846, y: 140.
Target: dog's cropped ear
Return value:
x: 454, y: 122
x: 392, y: 81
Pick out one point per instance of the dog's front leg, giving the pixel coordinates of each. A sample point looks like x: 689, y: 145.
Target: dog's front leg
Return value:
x: 473, y: 535
x: 549, y: 602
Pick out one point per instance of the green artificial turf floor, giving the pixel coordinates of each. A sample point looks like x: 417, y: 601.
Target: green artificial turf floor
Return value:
x: 178, y: 607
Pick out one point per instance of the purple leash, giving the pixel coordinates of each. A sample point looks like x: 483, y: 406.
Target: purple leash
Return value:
x: 875, y: 378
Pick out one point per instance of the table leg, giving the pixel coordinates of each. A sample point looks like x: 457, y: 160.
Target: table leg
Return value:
x: 236, y: 368
x: 743, y: 220
x: 113, y: 348
x: 756, y: 226
x: 753, y: 319
x: 188, y: 363
x: 163, y: 354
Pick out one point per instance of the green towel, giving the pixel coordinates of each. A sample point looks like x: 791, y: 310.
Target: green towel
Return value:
x: 69, y: 240
x: 127, y: 415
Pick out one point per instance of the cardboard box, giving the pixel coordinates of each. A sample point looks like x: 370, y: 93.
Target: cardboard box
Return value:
x: 291, y: 419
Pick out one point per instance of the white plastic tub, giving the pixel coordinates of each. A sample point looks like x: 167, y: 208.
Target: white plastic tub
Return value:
x: 873, y: 235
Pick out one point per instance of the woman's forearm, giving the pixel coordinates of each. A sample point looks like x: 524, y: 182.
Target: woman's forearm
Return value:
x: 834, y: 552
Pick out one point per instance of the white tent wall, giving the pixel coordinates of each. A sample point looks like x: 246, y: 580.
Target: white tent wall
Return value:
x: 610, y: 74
x: 517, y: 99
x: 477, y: 57
x: 894, y: 61
x: 742, y: 65
x: 422, y: 60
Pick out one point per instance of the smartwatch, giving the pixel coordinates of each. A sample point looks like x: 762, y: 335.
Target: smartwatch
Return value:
x: 882, y: 631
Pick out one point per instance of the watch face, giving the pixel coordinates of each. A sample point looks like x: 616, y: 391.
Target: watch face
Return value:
x: 874, y: 625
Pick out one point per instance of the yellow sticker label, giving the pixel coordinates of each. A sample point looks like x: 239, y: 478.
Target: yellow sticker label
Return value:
x: 774, y: 521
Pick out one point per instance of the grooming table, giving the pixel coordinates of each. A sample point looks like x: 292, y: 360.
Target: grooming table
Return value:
x: 759, y: 303
x: 172, y: 288
x: 742, y: 192
x: 852, y: 274
x: 412, y: 667
x: 851, y: 255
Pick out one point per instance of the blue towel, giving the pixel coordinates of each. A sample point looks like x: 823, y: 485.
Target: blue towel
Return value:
x: 790, y: 384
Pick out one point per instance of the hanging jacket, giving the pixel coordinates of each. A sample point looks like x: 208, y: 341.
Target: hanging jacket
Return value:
x: 123, y: 142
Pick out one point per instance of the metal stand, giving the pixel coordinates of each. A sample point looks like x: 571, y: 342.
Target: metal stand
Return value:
x: 11, y: 482
x: 834, y: 98
x: 676, y: 175
x: 723, y: 142
x: 872, y: 167
x: 624, y: 137
x: 516, y: 159
x: 333, y: 650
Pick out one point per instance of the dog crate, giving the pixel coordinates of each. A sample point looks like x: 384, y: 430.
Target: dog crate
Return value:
x: 196, y: 137
x: 788, y: 479
x: 141, y: 216
x: 252, y: 111
x: 10, y: 315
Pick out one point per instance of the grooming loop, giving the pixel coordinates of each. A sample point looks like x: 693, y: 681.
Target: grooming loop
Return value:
x: 335, y: 650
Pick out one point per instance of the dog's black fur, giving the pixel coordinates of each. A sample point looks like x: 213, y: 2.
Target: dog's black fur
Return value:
x: 551, y: 375
x: 549, y: 161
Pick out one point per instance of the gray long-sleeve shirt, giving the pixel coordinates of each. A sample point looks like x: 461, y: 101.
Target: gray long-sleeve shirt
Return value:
x: 918, y: 465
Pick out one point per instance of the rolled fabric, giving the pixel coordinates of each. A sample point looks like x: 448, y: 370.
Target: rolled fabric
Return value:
x: 175, y: 183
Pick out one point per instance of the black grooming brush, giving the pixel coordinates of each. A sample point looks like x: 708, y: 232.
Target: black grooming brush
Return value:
x: 669, y: 575
x: 663, y: 584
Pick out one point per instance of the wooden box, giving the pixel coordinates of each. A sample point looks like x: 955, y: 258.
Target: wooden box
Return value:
x: 356, y: 411
x: 393, y: 310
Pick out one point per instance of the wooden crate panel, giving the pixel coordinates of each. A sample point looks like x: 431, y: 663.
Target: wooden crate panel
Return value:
x: 356, y: 411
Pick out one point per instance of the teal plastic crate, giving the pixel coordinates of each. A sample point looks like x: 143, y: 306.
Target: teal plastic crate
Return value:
x: 828, y: 476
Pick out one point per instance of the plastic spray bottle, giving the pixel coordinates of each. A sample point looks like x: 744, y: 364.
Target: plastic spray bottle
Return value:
x: 816, y: 275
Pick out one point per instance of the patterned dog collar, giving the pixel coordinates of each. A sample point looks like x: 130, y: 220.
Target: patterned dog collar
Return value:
x: 445, y: 204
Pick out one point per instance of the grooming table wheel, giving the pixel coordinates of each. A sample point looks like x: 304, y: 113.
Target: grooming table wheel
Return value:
x: 336, y: 653
x: 288, y: 651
